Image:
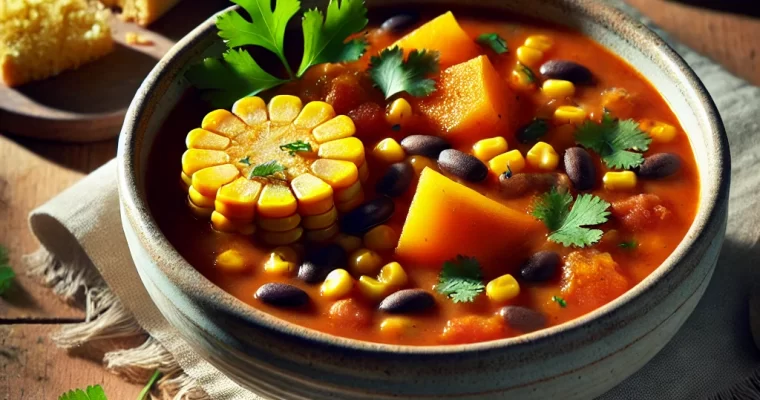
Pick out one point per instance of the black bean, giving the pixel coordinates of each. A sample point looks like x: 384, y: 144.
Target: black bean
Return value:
x: 660, y: 165
x: 424, y: 145
x: 567, y: 70
x: 518, y: 185
x: 541, y: 266
x: 396, y: 180
x: 462, y: 165
x: 523, y: 319
x: 281, y: 295
x: 401, y: 23
x: 367, y: 216
x: 407, y: 301
x: 533, y: 131
x: 580, y: 168
x: 319, y: 262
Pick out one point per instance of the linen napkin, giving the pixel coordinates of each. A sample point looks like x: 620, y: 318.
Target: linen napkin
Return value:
x: 84, y: 251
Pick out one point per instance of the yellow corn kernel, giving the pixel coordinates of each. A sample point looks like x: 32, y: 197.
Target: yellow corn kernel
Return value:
x: 281, y: 238
x: 337, y: 173
x: 421, y: 162
x: 381, y: 237
x: 337, y: 128
x: 199, y: 199
x: 349, y: 193
x: 542, y: 156
x: 512, y: 159
x: 276, y: 201
x: 529, y: 56
x: 346, y: 149
x: 238, y: 199
x: 363, y: 173
x: 487, y: 149
x: 322, y: 235
x: 197, y: 159
x: 396, y: 327
x: 539, y: 42
x: 388, y: 151
x: 347, y: 206
x: 660, y: 132
x: 398, y: 112
x: 371, y: 288
x: 201, y: 212
x: 278, y: 264
x: 623, y: 180
x: 313, y: 194
x: 569, y: 115
x: 503, y: 288
x: 231, y: 261
x: 279, y: 224
x: 337, y: 284
x: 203, y: 139
x: 321, y: 221
x: 186, y: 181
x: 313, y: 114
x: 208, y: 181
x: 520, y: 79
x: 364, y: 262
x: 224, y: 123
x: 558, y: 89
x: 252, y: 110
x: 284, y: 108
x: 223, y: 224
x: 393, y: 275
x: 348, y: 243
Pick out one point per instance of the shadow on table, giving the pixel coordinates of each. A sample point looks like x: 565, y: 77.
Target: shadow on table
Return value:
x: 741, y: 7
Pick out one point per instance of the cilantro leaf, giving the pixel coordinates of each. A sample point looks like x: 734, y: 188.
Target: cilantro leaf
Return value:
x: 266, y: 169
x: 613, y: 139
x: 298, y: 145
x: 267, y: 28
x: 6, y: 272
x: 568, y: 226
x: 559, y: 300
x: 92, y: 393
x: 494, y: 41
x: 237, y: 76
x: 392, y: 75
x: 325, y: 38
x: 461, y: 279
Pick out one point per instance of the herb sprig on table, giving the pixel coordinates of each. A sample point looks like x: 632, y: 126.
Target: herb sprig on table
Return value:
x: 6, y: 272
x: 461, y: 279
x: 618, y: 143
x: 569, y: 226
x: 97, y: 393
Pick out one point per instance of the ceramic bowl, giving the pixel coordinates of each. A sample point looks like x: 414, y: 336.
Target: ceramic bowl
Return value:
x: 578, y: 359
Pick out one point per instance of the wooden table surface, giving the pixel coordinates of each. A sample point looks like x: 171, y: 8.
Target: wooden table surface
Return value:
x: 33, y: 171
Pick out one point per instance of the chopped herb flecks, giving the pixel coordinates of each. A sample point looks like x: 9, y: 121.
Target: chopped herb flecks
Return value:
x: 298, y: 145
x: 559, y: 300
x: 266, y: 169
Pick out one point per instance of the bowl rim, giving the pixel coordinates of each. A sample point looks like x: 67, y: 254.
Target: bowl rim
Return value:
x: 708, y: 218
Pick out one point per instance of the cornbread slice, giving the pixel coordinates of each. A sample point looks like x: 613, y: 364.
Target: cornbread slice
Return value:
x: 143, y: 12
x: 42, y: 38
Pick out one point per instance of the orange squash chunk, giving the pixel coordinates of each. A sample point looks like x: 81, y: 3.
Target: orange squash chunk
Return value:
x: 471, y: 102
x: 591, y: 279
x: 446, y: 219
x: 442, y: 34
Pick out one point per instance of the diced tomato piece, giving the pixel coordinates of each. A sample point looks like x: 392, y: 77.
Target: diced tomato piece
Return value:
x: 591, y: 279
x: 472, y: 328
x: 345, y: 93
x: 641, y: 212
x: 369, y: 119
x: 349, y: 314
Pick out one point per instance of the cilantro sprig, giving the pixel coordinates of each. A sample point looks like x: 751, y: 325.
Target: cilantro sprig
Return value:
x: 494, y: 42
x: 238, y: 75
x: 6, y: 272
x: 97, y: 393
x: 569, y: 226
x: 614, y: 141
x: 393, y: 75
x: 266, y: 169
x: 295, y: 147
x: 461, y: 279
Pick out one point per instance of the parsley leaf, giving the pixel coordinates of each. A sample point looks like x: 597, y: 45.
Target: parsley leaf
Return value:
x: 298, y: 145
x: 6, y: 272
x: 567, y: 226
x: 559, y: 300
x: 325, y: 38
x: 91, y: 393
x: 392, y: 75
x: 461, y: 279
x: 612, y: 139
x: 494, y: 41
x: 266, y: 169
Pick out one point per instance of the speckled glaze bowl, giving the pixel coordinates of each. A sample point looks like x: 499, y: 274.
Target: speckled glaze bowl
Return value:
x: 579, y: 359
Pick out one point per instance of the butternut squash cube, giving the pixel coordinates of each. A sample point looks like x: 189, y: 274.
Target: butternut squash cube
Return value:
x: 442, y: 34
x: 471, y: 102
x: 446, y: 219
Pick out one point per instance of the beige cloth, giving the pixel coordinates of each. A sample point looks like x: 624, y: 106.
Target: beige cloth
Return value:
x: 80, y: 230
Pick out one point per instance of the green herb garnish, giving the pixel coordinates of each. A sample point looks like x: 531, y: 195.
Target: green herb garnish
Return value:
x: 568, y: 226
x: 144, y: 392
x: 613, y: 139
x: 91, y: 393
x: 508, y: 173
x: 533, y: 131
x: 246, y: 160
x: 393, y: 75
x: 494, y: 41
x: 629, y: 245
x: 298, y: 145
x: 461, y: 279
x: 266, y: 169
x: 529, y: 73
x: 238, y: 75
x: 6, y: 272
x: 559, y: 300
